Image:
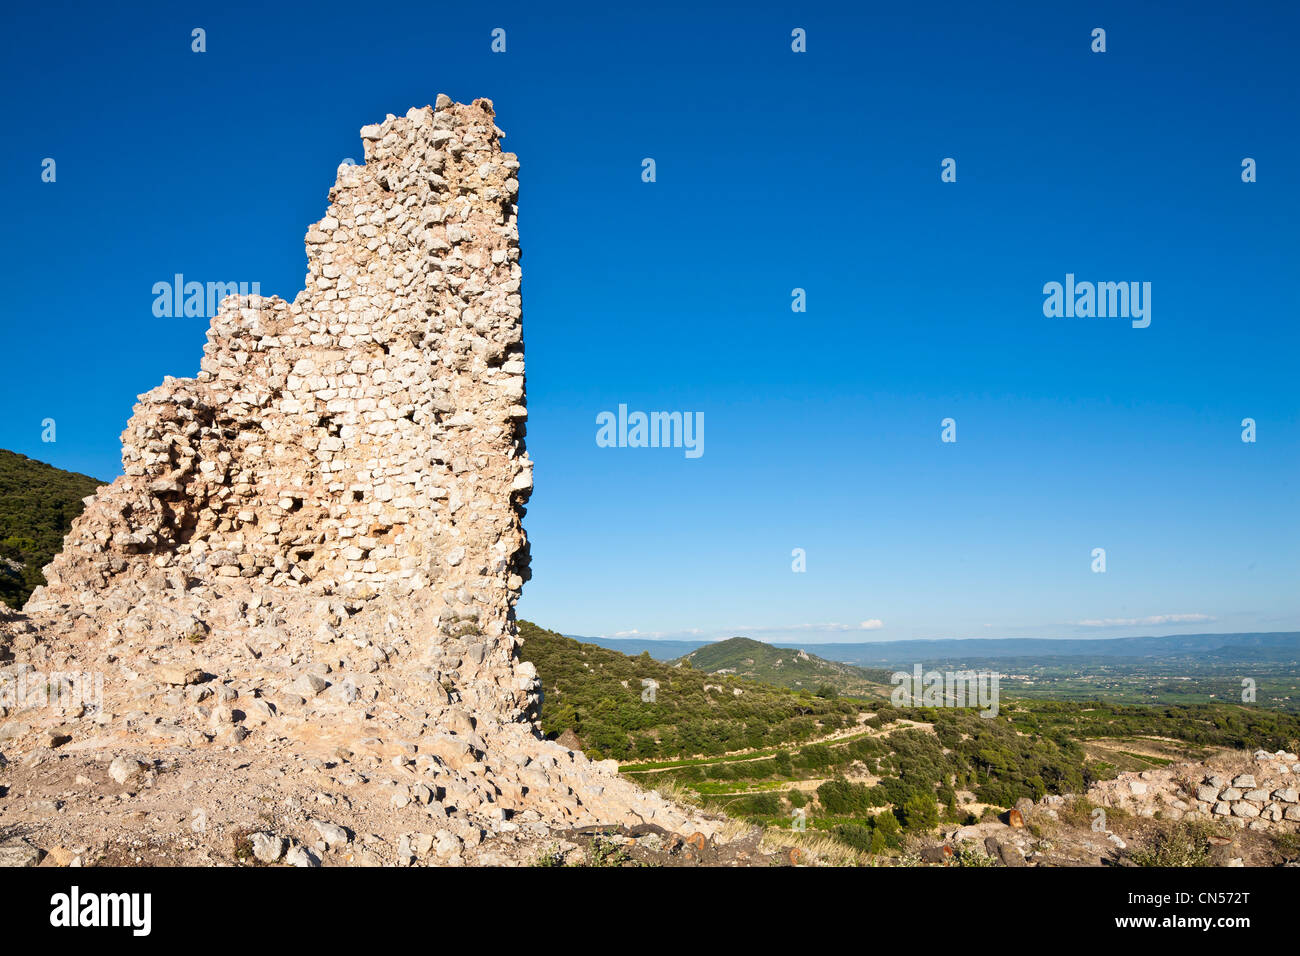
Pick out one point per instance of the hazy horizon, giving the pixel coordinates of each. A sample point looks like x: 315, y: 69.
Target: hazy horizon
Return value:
x: 782, y: 642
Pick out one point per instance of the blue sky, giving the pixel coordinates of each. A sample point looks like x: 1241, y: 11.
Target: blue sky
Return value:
x: 775, y: 171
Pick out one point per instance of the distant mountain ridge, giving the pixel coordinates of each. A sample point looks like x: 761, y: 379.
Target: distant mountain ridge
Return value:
x: 635, y: 646
x: 1268, y: 645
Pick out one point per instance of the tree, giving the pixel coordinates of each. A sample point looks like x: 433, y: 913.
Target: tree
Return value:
x: 920, y: 812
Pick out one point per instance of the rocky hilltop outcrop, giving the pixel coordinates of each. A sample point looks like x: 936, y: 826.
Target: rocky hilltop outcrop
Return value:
x: 296, y: 604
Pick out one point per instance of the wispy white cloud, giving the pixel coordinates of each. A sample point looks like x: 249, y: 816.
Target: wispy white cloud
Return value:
x: 830, y: 627
x: 657, y: 635
x: 1153, y: 620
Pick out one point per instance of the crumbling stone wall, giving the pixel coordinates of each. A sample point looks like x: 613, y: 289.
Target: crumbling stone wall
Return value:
x: 367, y: 436
x: 1262, y: 794
x: 303, y: 585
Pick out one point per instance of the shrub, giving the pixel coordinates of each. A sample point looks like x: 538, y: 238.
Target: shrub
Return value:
x: 920, y: 812
x: 842, y: 798
x: 857, y: 837
x: 1185, y: 844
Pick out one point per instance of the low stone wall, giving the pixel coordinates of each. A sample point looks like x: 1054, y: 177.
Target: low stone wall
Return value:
x: 1262, y: 793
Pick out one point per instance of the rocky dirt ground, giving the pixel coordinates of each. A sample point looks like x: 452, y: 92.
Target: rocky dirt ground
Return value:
x: 312, y: 733
x: 233, y: 807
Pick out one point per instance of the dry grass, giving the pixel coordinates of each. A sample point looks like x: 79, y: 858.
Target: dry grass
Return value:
x: 674, y: 792
x: 815, y: 847
x: 733, y: 830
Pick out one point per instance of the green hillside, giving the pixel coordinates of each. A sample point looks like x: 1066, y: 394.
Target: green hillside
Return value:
x: 787, y: 667
x: 38, y: 503
x: 860, y: 771
x: 597, y: 694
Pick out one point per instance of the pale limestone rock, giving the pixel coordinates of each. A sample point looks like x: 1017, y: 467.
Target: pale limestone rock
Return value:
x: 267, y: 847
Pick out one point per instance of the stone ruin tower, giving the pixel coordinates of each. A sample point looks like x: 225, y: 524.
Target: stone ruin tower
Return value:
x: 310, y: 565
x: 368, y: 436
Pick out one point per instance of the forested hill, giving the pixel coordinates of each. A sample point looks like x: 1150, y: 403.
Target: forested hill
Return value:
x: 787, y: 667
x: 38, y: 503
x: 602, y: 697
